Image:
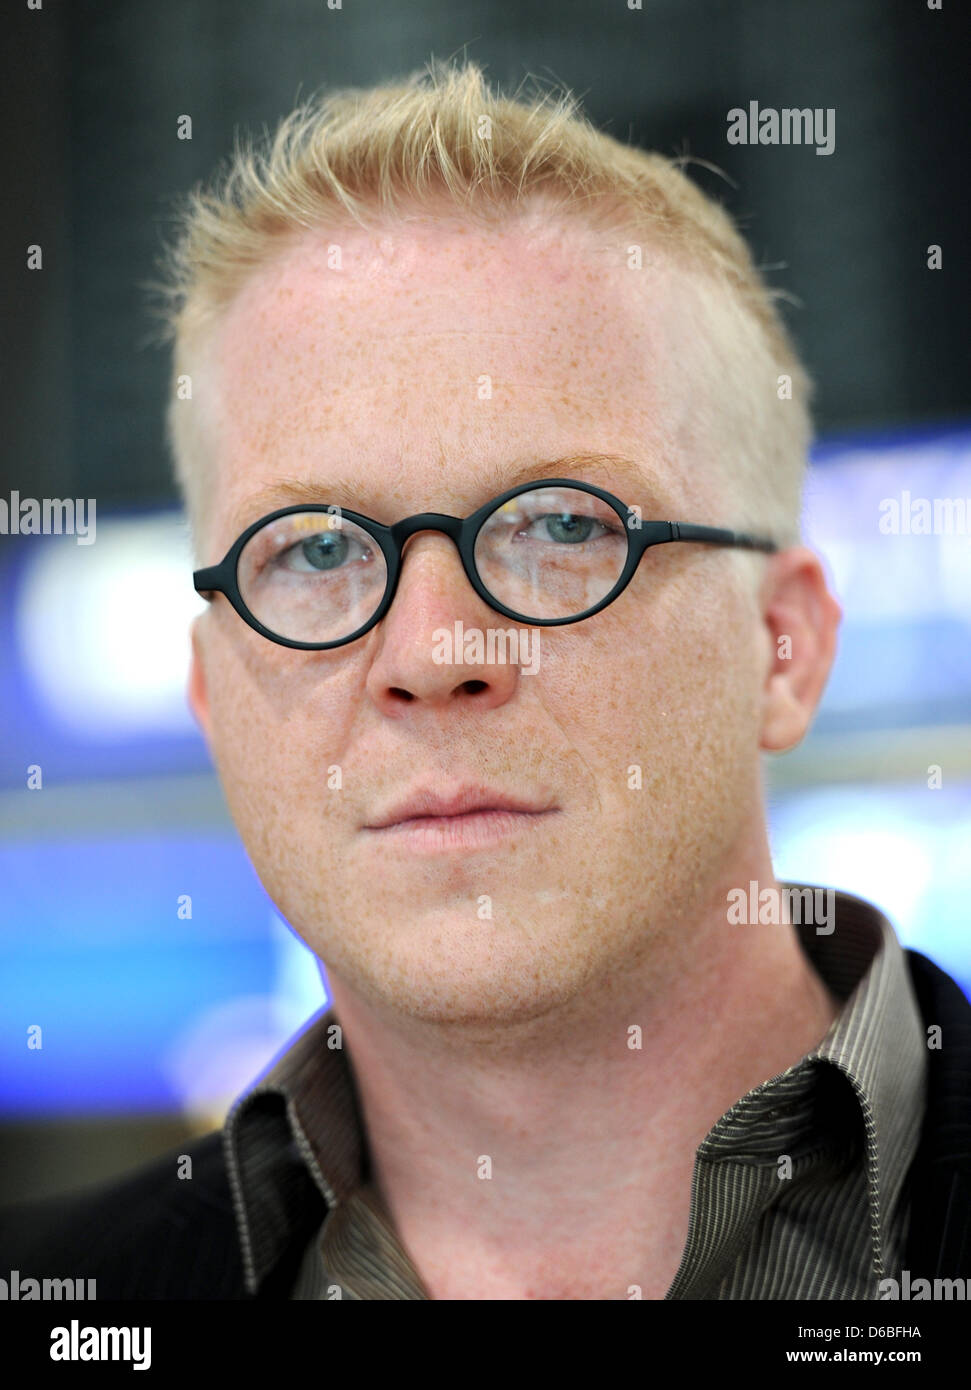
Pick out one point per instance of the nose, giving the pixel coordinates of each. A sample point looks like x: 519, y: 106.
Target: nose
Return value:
x: 434, y: 648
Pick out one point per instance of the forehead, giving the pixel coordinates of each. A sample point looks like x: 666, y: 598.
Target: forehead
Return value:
x: 418, y: 353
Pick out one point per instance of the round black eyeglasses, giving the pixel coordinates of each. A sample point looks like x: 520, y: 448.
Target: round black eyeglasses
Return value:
x: 542, y: 554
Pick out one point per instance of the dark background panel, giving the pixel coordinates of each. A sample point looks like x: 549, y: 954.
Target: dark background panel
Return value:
x: 93, y: 91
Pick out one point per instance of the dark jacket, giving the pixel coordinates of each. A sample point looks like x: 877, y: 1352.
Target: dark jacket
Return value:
x: 153, y: 1235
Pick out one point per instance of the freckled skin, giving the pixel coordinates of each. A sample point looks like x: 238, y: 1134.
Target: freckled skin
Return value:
x: 508, y: 1036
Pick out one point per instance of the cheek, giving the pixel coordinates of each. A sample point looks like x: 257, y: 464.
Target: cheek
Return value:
x: 669, y: 694
x: 665, y: 660
x: 714, y: 699
x: 282, y: 726
x: 254, y: 747
x: 236, y: 698
x: 251, y: 765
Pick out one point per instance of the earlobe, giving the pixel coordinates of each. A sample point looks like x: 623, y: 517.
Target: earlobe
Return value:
x: 196, y: 691
x: 801, y: 618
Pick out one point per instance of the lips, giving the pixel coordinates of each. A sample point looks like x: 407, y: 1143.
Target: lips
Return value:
x: 464, y: 801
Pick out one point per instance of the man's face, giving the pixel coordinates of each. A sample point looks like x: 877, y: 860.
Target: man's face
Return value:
x: 374, y: 373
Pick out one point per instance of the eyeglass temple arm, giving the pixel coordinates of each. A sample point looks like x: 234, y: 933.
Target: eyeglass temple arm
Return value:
x: 716, y: 535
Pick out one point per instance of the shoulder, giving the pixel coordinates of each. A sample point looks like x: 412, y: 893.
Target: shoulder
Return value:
x: 164, y: 1230
x: 946, y: 1014
x: 940, y: 1223
x: 941, y: 1001
x: 931, y: 979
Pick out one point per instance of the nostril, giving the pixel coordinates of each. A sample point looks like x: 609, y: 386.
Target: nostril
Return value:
x: 401, y: 694
x: 473, y: 687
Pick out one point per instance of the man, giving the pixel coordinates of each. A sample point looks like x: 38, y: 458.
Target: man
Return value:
x: 557, y: 1063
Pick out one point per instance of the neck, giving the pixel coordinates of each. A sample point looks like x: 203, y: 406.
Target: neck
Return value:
x: 587, y: 1117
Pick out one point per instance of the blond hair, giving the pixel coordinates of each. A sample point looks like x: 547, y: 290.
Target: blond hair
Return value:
x: 368, y: 155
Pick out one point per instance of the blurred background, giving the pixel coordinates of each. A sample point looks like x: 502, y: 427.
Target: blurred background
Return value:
x: 134, y: 930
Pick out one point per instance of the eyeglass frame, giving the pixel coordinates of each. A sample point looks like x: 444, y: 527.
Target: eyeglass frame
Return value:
x: 463, y: 531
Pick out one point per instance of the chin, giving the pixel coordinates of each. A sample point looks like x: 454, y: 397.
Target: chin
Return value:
x: 462, y: 973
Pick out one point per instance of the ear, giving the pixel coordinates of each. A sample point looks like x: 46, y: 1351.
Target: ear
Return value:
x: 801, y: 619
x: 197, y: 693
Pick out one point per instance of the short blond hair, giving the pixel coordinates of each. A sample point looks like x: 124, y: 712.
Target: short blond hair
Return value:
x: 368, y: 155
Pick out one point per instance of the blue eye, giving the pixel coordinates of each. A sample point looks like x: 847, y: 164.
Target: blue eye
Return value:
x: 323, y: 552
x: 568, y: 527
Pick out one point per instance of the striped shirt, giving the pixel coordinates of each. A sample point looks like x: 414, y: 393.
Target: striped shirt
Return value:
x: 799, y: 1190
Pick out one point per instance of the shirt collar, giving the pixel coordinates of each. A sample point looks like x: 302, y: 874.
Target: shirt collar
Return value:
x: 297, y: 1130
x: 877, y: 1042
x: 861, y: 1088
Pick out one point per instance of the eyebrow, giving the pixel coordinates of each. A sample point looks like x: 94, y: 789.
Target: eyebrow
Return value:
x: 493, y: 479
